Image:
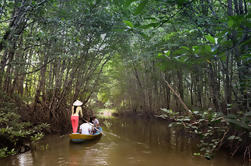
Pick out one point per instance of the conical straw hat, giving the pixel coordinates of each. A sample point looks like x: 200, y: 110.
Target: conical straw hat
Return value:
x: 77, y: 103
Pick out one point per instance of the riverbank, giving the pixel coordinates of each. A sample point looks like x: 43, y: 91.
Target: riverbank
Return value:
x: 17, y: 132
x: 215, y: 131
x: 128, y: 142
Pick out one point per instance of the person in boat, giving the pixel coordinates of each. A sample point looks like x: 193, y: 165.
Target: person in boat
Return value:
x: 86, y: 128
x: 95, y: 123
x: 76, y: 110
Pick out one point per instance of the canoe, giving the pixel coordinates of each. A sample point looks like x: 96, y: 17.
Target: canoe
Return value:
x: 78, y: 138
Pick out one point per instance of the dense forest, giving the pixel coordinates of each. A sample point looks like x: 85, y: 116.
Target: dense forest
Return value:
x: 187, y: 61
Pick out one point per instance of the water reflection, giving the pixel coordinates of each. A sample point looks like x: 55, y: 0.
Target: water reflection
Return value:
x: 25, y: 159
x: 129, y: 142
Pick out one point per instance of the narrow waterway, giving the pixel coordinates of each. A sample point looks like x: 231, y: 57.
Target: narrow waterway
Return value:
x: 128, y: 142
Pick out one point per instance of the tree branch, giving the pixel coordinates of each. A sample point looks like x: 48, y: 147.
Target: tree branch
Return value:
x: 38, y: 69
x: 178, y: 96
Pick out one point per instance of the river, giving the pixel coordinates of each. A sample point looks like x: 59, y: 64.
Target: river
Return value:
x: 127, y: 142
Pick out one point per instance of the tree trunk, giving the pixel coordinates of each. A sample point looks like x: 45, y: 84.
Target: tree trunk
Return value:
x: 191, y: 89
x: 213, y: 88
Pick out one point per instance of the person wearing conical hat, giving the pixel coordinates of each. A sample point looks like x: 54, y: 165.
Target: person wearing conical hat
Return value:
x: 76, y: 110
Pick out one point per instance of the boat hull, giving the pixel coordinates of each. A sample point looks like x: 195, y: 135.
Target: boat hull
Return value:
x: 78, y: 138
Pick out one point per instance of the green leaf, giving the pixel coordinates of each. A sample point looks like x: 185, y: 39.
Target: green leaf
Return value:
x: 202, y: 149
x: 144, y: 35
x: 238, y: 123
x: 140, y: 7
x: 196, y: 112
x: 128, y: 23
x: 248, y: 113
x: 196, y: 154
x: 230, y: 23
x: 160, y: 55
x: 163, y: 116
x: 186, y: 48
x: 181, y: 2
x: 231, y: 137
x: 167, y: 53
x: 246, y: 42
x: 210, y: 39
x: 208, y: 48
x: 128, y: 2
x: 147, y: 26
x: 165, y: 110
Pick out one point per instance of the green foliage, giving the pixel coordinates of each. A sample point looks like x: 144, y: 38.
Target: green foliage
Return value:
x: 128, y: 23
x: 210, y: 38
x: 14, y: 133
x: 37, y: 137
x: 140, y: 7
x: 4, y: 152
x: 213, y: 129
x: 128, y: 2
x: 84, y: 49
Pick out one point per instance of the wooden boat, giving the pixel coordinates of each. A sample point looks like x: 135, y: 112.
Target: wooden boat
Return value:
x: 78, y: 138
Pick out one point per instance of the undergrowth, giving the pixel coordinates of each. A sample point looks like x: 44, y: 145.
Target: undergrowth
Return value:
x: 216, y: 131
x: 16, y: 135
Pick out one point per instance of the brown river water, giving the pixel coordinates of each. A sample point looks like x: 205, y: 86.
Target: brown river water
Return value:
x: 128, y: 142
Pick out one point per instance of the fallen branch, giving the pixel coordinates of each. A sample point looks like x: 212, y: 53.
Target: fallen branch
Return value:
x: 178, y: 96
x: 221, y: 140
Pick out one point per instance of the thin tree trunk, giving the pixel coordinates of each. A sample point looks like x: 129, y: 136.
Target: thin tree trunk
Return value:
x: 191, y: 89
x: 213, y: 88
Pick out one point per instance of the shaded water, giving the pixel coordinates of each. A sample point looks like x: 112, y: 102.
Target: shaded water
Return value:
x: 128, y: 142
